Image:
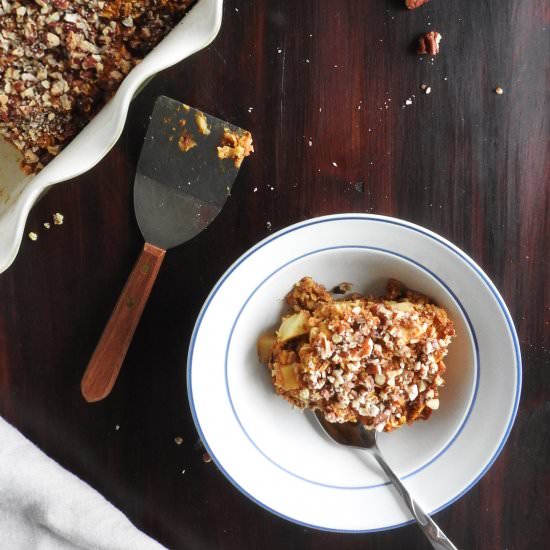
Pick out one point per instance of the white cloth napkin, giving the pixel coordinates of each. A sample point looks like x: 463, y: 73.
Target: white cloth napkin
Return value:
x: 44, y: 507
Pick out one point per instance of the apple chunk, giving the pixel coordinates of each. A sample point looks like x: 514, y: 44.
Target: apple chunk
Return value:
x: 265, y: 344
x: 293, y: 326
x: 287, y: 377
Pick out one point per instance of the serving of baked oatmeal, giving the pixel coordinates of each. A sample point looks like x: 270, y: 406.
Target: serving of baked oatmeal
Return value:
x: 61, y: 60
x: 374, y: 360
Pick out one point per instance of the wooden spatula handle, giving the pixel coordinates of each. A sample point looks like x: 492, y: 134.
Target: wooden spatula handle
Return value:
x: 104, y: 366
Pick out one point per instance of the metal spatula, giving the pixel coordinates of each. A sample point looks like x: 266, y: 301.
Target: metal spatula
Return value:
x: 180, y: 187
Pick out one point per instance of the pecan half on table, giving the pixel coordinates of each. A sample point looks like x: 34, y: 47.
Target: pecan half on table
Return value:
x: 429, y: 43
x: 413, y: 4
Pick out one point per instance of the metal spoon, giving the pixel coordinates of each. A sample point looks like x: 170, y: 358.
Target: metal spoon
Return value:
x: 354, y: 434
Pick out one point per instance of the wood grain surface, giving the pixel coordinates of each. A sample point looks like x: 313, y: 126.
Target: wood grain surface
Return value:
x: 317, y: 82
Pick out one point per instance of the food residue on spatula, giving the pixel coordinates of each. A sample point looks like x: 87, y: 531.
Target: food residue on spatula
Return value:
x: 235, y: 146
x: 202, y: 124
x: 186, y: 142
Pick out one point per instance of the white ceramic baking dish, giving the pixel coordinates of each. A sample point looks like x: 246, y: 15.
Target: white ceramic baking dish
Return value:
x: 19, y: 192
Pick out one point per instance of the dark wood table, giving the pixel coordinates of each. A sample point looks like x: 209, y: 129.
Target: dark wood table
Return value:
x: 463, y: 161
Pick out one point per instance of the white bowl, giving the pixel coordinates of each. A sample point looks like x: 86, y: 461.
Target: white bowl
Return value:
x: 18, y: 192
x: 277, y: 455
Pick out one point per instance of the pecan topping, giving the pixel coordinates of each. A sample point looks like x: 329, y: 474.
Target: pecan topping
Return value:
x: 378, y: 361
x: 429, y: 43
x: 62, y: 60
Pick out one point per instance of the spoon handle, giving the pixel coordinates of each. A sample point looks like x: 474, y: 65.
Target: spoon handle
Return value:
x: 433, y: 533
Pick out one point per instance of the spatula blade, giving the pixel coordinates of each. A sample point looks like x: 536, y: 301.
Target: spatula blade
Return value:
x: 181, y: 185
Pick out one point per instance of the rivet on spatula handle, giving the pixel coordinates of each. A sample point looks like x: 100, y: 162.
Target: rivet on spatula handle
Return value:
x: 104, y: 366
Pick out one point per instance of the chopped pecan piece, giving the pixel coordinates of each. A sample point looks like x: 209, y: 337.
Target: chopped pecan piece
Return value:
x: 429, y: 43
x: 413, y: 4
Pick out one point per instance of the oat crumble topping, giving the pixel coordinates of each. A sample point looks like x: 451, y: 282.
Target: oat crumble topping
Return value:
x: 374, y: 360
x: 61, y: 60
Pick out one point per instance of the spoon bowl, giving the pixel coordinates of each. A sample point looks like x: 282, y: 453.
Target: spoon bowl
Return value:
x: 354, y: 434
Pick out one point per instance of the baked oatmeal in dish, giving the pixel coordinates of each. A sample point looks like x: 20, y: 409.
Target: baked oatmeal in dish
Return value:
x: 375, y: 360
x: 61, y: 60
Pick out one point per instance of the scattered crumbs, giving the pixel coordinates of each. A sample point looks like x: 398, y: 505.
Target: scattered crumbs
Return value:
x: 33, y: 236
x: 47, y: 225
x: 408, y: 102
x: 183, y: 471
x: 237, y: 10
x: 445, y: 78
x: 499, y: 90
x: 250, y: 109
x: 358, y: 107
x: 178, y: 440
x: 334, y: 164
x: 58, y: 218
x: 268, y: 225
x: 370, y: 129
x: 271, y: 188
x: 360, y: 187
x: 206, y: 458
x: 320, y: 109
x: 311, y: 36
x: 307, y: 60
x: 279, y: 50
x: 117, y: 427
x: 428, y: 90
x: 255, y: 190
x: 335, y: 66
x: 310, y: 142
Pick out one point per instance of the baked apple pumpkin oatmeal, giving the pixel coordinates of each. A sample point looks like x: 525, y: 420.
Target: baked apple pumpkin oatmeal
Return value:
x: 378, y: 361
x: 61, y: 60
